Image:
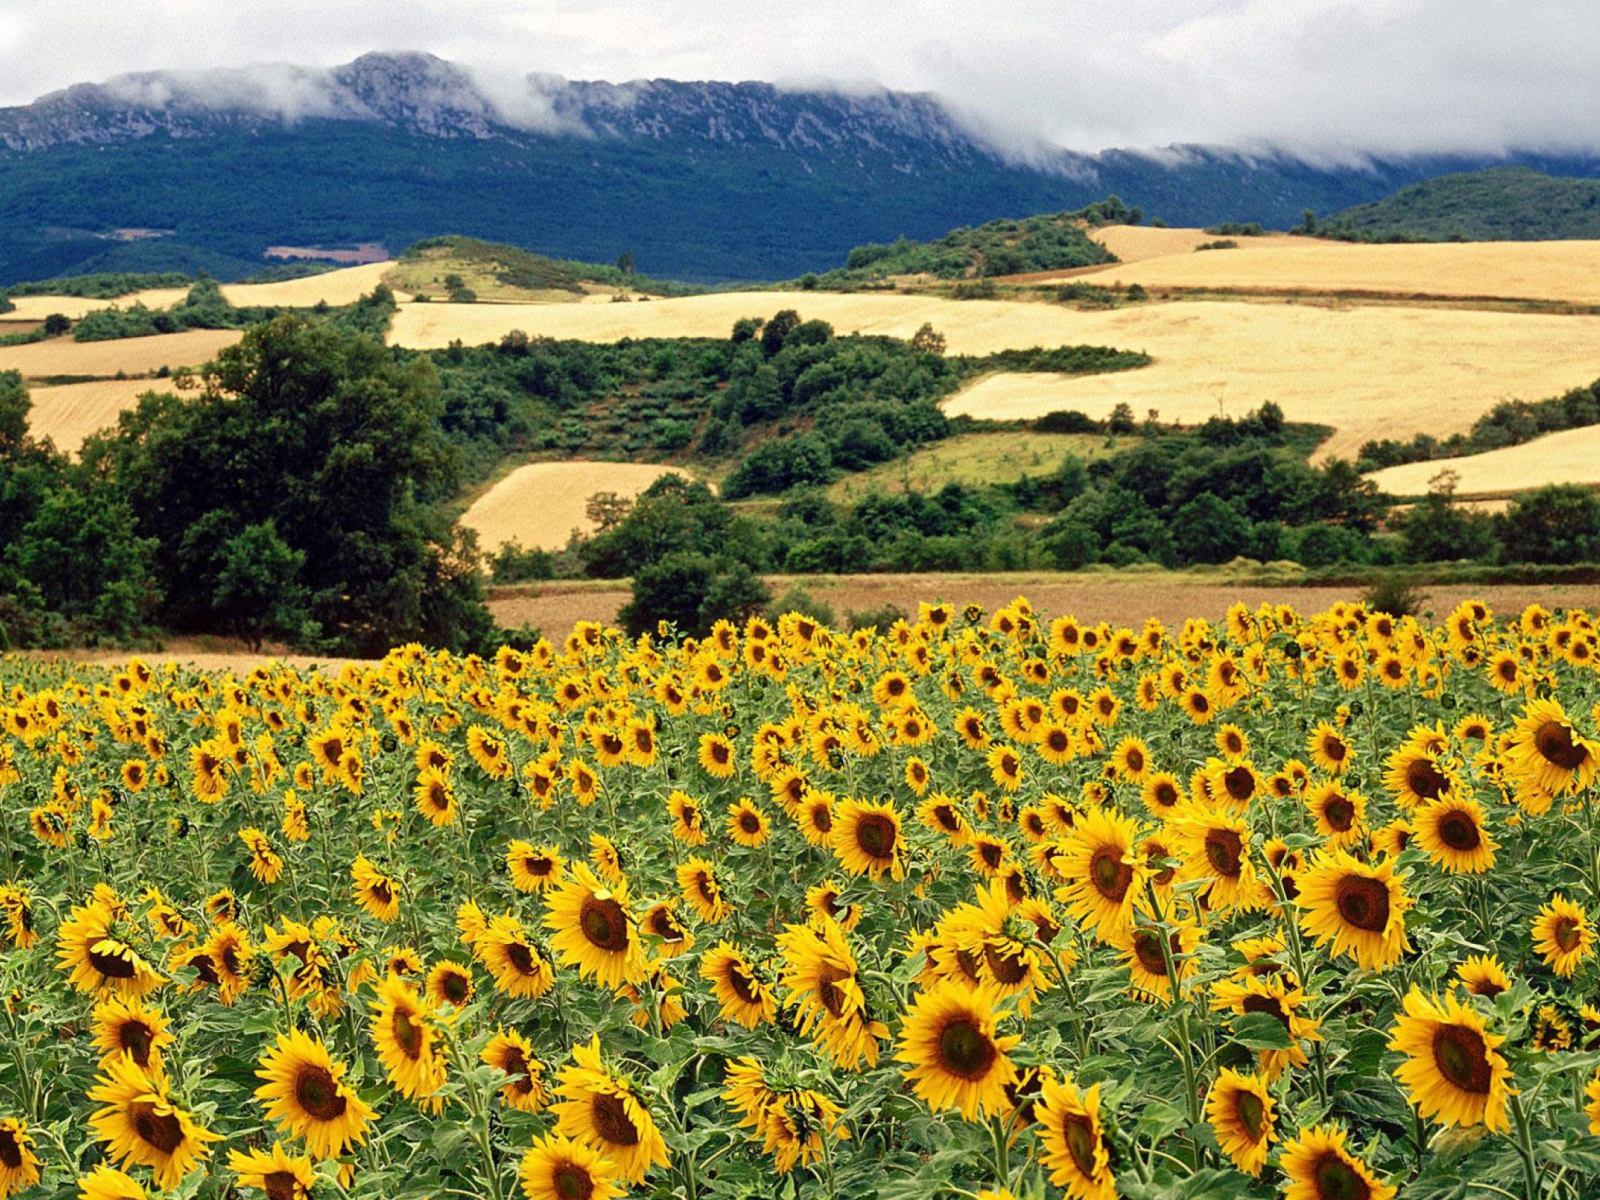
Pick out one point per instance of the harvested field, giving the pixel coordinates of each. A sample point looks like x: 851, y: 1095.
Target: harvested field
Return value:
x: 539, y: 505
x: 70, y: 413
x: 1550, y: 271
x: 1126, y: 599
x: 131, y: 356
x: 344, y: 286
x: 1136, y: 243
x: 1003, y: 456
x: 1571, y: 456
x: 37, y: 308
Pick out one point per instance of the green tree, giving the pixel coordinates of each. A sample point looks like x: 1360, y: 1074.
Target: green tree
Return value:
x: 692, y: 592
x: 1555, y: 524
x: 259, y: 593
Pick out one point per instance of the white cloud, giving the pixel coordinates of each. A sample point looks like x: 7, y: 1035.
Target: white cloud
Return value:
x: 1329, y: 77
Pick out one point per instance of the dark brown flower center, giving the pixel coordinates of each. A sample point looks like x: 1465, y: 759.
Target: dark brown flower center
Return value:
x: 1335, y: 1179
x: 1110, y: 875
x: 611, y: 1120
x: 10, y: 1150
x: 875, y: 835
x: 1225, y: 852
x: 572, y: 1182
x: 829, y: 993
x: 1567, y: 933
x: 407, y: 1033
x: 1462, y: 1058
x: 520, y: 956
x: 1240, y: 783
x: 1460, y: 832
x: 1426, y: 780
x: 1147, y: 949
x: 317, y: 1093
x: 1554, y: 741
x: 1006, y: 965
x: 742, y: 983
x: 1362, y: 902
x: 112, y: 959
x: 1340, y: 813
x: 135, y: 1037
x: 281, y: 1185
x: 455, y: 987
x: 1252, y: 1115
x: 604, y: 923
x: 1079, y: 1135
x: 1270, y: 1005
x: 1134, y: 758
x: 965, y: 1050
x: 162, y: 1130
x: 1165, y: 794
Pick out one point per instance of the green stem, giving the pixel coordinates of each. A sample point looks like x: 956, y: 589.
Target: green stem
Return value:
x: 1002, y: 1154
x: 1524, y: 1139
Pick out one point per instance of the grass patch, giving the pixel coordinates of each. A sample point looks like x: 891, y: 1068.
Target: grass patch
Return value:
x: 977, y: 459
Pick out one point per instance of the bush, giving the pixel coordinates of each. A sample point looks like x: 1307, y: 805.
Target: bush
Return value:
x: 513, y: 564
x: 1395, y: 594
x: 798, y: 600
x: 691, y: 592
x: 1555, y: 524
x: 880, y: 618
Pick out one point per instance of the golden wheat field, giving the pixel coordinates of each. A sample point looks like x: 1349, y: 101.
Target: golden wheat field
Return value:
x: 1571, y: 456
x: 1559, y: 271
x: 70, y: 413
x: 1136, y: 243
x: 130, y: 356
x: 539, y: 505
x: 37, y: 308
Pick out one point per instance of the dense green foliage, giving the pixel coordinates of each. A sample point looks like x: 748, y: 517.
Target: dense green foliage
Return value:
x: 100, y: 286
x: 519, y: 268
x: 1513, y: 204
x: 1509, y: 423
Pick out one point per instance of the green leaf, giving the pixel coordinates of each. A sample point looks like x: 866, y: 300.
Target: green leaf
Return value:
x: 1261, y: 1031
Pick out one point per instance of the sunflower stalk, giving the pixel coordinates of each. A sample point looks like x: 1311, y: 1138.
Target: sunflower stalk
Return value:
x: 1524, y: 1143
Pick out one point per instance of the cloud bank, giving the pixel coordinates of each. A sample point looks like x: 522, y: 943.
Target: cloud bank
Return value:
x: 1324, y: 78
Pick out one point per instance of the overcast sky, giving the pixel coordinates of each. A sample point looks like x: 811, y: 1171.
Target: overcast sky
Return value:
x: 1328, y: 76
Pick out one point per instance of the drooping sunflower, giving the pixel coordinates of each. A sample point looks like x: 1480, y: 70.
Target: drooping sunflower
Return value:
x: 1149, y: 969
x: 305, y: 1094
x: 1240, y: 1110
x: 867, y: 838
x: 702, y: 890
x: 1101, y: 870
x: 402, y: 1029
x: 594, y: 930
x: 133, y: 1028
x: 139, y: 1124
x: 1452, y: 1072
x: 1073, y: 1141
x: 558, y: 1168
x: 1483, y: 975
x: 742, y: 995
x: 374, y: 890
x: 1279, y: 998
x: 1563, y: 935
x: 99, y: 961
x: 510, y: 1052
x: 820, y: 977
x: 954, y: 1057
x: 274, y: 1172
x: 688, y: 822
x: 519, y: 969
x: 1318, y: 1167
x: 19, y: 1166
x: 606, y: 1113
x: 1358, y: 907
x: 1454, y: 832
x: 450, y: 983
x: 823, y: 902
x: 534, y: 868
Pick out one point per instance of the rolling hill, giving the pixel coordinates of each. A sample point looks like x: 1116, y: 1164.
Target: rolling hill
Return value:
x: 1514, y: 204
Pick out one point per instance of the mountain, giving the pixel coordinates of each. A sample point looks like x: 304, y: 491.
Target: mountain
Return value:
x: 703, y: 181
x: 1515, y: 204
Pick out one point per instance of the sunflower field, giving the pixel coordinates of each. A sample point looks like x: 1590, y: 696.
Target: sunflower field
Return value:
x: 980, y: 905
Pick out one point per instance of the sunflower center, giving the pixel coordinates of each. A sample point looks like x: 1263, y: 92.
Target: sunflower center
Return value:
x: 1462, y: 1058
x: 965, y: 1050
x: 1459, y: 831
x: 1363, y: 902
x: 1240, y: 783
x: 604, y: 923
x: 1266, y: 1004
x: 610, y: 1118
x: 1252, y: 1114
x: 743, y: 985
x: 135, y: 1037
x: 1147, y: 948
x: 381, y: 891
x: 1225, y: 852
x: 114, y: 962
x: 1335, y: 1179
x: 1134, y: 759
x: 280, y: 1185
x: 1567, y: 934
x: 572, y: 1182
x: 875, y: 834
x: 1165, y: 794
x: 515, y: 1064
x: 829, y: 992
x: 1110, y: 875
x: 10, y: 1152
x: 454, y: 988
x: 408, y: 1034
x: 1007, y: 966
x: 1057, y: 741
x: 317, y: 1092
x: 1079, y: 1136
x: 749, y: 822
x: 161, y: 1130
x: 521, y: 957
x: 1554, y: 741
x: 1426, y: 780
x: 1340, y: 813
x: 991, y: 852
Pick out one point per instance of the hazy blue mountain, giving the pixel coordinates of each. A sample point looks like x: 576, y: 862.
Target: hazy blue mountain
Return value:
x: 705, y: 181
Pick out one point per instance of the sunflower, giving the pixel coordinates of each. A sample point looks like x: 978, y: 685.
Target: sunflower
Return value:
x: 1101, y: 869
x: 1339, y: 812
x: 1452, y: 1071
x: 375, y: 891
x: 1199, y: 706
x: 815, y: 817
x: 1329, y: 751
x: 819, y: 976
x: 955, y: 1060
x: 1454, y: 833
x: 823, y: 902
x: 140, y: 1125
x: 747, y: 824
x: 1161, y: 794
x: 1005, y: 767
x: 129, y: 1027
x: 1418, y: 775
x: 402, y: 1029
x: 274, y: 1173
x: 519, y: 969
x: 688, y: 823
x: 1131, y: 760
x: 1563, y: 935
x: 1549, y: 753
x: 266, y: 864
x: 1483, y: 975
x: 534, y: 868
x: 717, y: 755
x: 450, y: 983
x: 942, y: 814
x: 661, y: 922
x: 1216, y: 846
x: 1148, y: 969
x: 223, y: 961
x: 1359, y: 908
x: 741, y: 993
x: 1278, y: 995
x: 489, y: 751
x: 305, y: 1094
x: 1240, y: 1110
x: 96, y: 960
x: 603, y: 1111
x: 435, y: 798
x: 19, y: 1166
x: 1074, y: 1146
x: 702, y: 890
x: 558, y: 1168
x: 594, y: 929
x: 510, y: 1052
x: 108, y: 1183
x: 1318, y: 1167
x: 868, y: 840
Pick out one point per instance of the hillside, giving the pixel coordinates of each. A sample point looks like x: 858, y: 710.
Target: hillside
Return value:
x: 701, y: 181
x: 1514, y: 204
